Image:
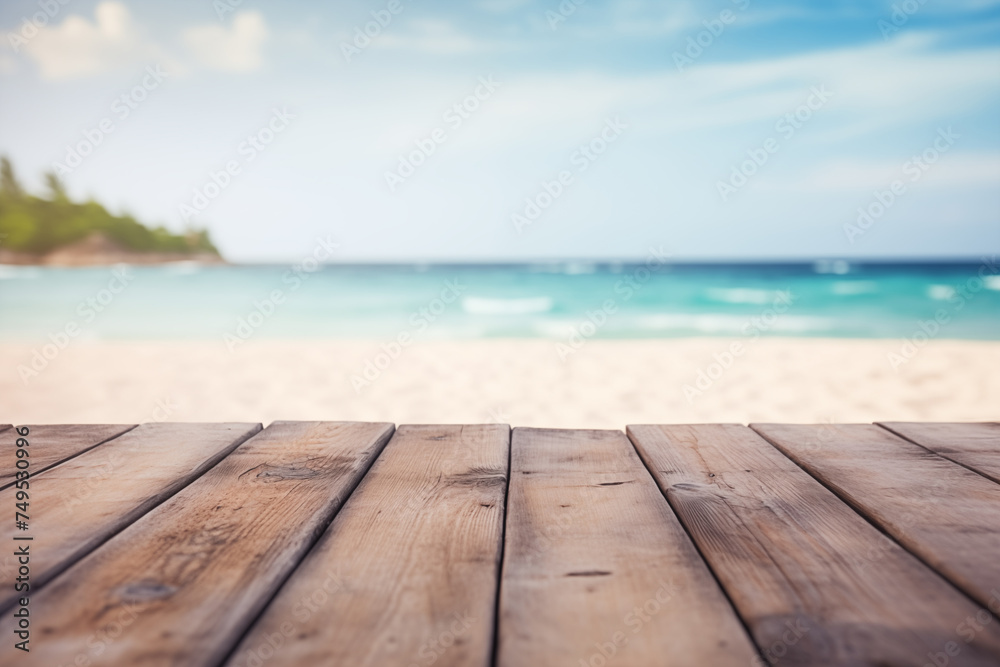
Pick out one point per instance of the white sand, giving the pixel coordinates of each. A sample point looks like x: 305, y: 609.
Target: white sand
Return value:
x: 606, y: 384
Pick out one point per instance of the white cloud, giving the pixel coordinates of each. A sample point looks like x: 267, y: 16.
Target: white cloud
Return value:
x: 712, y: 111
x: 431, y: 36
x: 880, y: 86
x: 629, y: 17
x: 875, y: 89
x: 81, y: 47
x: 77, y: 47
x: 235, y: 49
x: 949, y: 171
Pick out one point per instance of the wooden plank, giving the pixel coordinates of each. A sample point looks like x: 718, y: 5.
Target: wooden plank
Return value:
x: 52, y: 444
x: 975, y: 446
x: 407, y: 573
x: 180, y: 585
x: 597, y: 569
x: 947, y: 515
x: 815, y: 583
x: 76, y: 506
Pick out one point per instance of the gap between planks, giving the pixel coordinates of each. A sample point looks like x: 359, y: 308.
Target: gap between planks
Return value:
x: 796, y: 559
x: 189, y: 576
x: 53, y: 444
x: 99, y: 493
x: 407, y: 573
x: 942, y: 512
x: 975, y: 446
x: 596, y: 564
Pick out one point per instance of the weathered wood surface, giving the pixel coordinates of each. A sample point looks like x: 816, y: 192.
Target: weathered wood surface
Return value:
x: 944, y: 513
x: 598, y: 569
x: 815, y: 583
x: 407, y: 573
x: 179, y: 562
x: 76, y: 506
x: 52, y: 444
x: 975, y: 446
x: 181, y: 584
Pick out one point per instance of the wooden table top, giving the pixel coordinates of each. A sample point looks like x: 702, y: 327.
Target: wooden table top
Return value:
x: 348, y: 543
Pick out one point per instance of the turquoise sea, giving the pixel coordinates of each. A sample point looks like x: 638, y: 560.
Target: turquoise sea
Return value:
x: 600, y: 300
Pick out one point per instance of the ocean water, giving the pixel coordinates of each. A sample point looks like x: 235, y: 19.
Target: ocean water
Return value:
x: 554, y: 301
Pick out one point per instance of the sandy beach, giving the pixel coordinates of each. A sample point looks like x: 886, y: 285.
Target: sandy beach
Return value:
x: 604, y: 384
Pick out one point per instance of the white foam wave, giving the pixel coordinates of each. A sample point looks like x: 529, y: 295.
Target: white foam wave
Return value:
x: 483, y: 306
x: 940, y: 292
x: 836, y: 266
x: 742, y: 295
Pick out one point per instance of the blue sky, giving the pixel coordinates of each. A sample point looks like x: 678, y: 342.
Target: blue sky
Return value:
x: 666, y: 126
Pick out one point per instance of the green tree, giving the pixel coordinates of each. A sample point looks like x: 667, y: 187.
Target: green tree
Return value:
x: 40, y: 224
x: 9, y: 187
x: 57, y: 190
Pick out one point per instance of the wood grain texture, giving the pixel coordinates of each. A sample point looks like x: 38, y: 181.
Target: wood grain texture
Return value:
x: 53, y: 443
x: 181, y: 584
x: 815, y: 582
x: 597, y: 569
x: 407, y: 573
x: 76, y: 506
x: 945, y: 514
x: 975, y: 446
